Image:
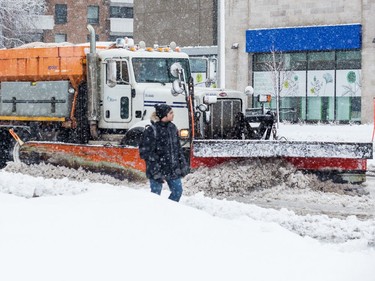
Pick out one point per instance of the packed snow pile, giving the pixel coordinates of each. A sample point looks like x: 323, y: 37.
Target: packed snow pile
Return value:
x: 244, y: 176
x: 59, y: 172
x: 276, y: 184
x: 222, y: 181
x: 50, y: 173
x: 271, y: 184
x: 321, y: 227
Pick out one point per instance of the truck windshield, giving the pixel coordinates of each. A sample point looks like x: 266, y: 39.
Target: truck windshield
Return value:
x: 156, y: 70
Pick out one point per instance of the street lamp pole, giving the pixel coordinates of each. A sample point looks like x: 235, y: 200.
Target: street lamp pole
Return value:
x: 221, y: 43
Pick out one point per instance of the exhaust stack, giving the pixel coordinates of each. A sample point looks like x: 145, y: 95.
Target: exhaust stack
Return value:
x: 92, y: 85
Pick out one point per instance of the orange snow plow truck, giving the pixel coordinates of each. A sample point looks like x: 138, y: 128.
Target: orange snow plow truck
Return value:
x: 86, y: 105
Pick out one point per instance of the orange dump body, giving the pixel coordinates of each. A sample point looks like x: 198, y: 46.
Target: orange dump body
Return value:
x: 43, y: 64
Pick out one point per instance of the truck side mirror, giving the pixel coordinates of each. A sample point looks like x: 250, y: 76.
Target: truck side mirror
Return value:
x: 177, y: 88
x: 176, y: 69
x: 178, y: 84
x: 111, y: 73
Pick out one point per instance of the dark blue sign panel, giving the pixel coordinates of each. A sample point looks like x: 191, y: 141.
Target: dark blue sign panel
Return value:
x: 311, y: 38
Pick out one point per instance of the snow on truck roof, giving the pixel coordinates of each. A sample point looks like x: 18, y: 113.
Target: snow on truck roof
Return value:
x: 109, y: 49
x: 119, y: 52
x: 44, y: 45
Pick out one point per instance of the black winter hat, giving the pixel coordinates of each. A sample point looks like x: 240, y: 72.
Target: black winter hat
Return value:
x: 162, y: 110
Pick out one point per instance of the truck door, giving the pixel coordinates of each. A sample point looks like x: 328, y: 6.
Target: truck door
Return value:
x: 117, y: 98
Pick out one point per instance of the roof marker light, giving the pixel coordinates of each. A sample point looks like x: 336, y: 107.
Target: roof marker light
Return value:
x: 142, y: 45
x: 173, y: 45
x: 130, y: 42
x: 120, y: 43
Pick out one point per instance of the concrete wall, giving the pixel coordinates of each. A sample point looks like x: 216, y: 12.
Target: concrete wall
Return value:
x: 188, y: 23
x: 368, y: 60
x: 251, y: 14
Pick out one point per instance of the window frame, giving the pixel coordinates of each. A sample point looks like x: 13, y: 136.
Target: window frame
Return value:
x: 61, y: 34
x: 122, y: 12
x: 61, y: 13
x: 93, y: 20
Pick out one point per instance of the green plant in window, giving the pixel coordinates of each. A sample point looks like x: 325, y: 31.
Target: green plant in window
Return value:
x: 316, y: 86
x: 354, y: 84
x: 289, y: 82
x: 351, y: 77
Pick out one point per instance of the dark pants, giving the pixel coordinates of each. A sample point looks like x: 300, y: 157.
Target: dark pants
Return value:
x: 175, y: 187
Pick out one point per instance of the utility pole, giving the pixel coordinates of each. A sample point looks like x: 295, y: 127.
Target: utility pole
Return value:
x: 221, y: 43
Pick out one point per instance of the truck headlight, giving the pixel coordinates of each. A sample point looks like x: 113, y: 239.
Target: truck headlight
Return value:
x: 184, y: 133
x: 210, y: 99
x: 203, y: 107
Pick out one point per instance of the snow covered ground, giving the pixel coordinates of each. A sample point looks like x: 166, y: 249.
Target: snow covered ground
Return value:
x: 61, y: 224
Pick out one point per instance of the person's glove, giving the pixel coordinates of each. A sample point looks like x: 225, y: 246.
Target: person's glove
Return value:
x: 159, y: 178
x: 184, y: 171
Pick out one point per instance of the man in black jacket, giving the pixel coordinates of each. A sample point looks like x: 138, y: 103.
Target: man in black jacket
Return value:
x: 161, y: 149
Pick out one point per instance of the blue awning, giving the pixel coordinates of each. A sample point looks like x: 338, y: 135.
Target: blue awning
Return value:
x: 310, y: 38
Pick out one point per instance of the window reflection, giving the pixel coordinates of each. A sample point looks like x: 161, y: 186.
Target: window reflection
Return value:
x: 157, y: 70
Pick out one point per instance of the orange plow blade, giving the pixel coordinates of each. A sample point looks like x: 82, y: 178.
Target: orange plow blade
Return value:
x: 118, y: 161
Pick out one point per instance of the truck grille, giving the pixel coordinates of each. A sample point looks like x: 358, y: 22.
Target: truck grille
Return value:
x: 222, y: 117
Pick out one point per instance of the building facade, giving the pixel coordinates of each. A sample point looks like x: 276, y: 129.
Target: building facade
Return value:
x: 110, y: 19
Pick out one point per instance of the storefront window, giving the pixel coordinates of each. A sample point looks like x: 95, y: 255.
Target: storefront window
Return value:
x: 313, y: 86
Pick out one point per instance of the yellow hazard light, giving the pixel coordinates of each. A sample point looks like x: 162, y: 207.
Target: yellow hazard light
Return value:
x: 132, y: 49
x: 33, y: 84
x: 149, y: 49
x: 160, y: 49
x: 184, y: 133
